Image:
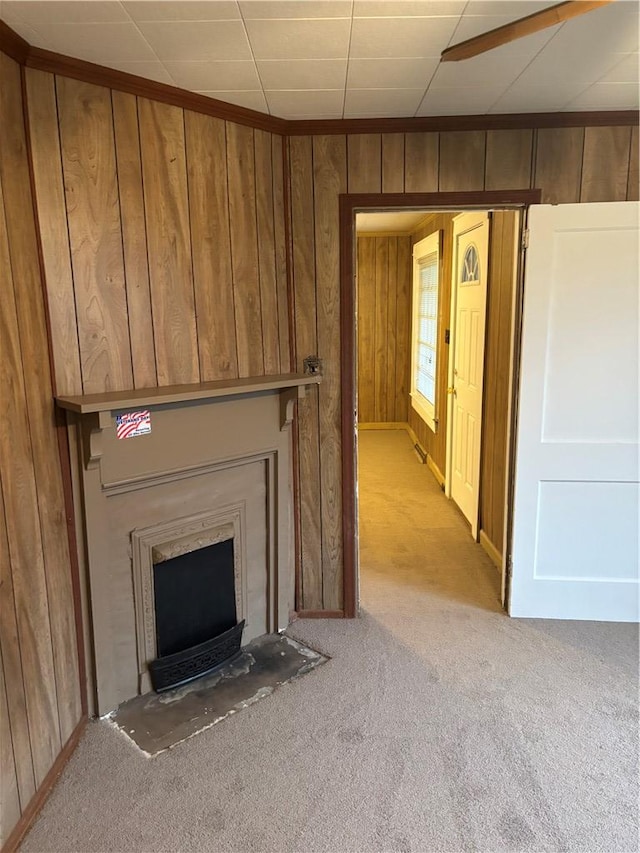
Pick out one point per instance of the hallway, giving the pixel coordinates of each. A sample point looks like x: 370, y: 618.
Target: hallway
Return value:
x: 412, y: 539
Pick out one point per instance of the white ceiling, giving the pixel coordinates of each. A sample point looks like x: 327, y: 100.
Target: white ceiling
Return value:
x: 349, y: 58
x: 395, y: 221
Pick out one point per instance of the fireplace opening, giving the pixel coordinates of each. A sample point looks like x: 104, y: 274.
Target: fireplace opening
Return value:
x: 197, y: 627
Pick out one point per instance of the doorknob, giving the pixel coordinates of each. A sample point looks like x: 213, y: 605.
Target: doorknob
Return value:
x: 452, y: 391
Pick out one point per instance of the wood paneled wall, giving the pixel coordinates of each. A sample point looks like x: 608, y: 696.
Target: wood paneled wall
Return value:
x: 435, y: 443
x: 40, y: 704
x: 496, y: 390
x: 163, y: 242
x: 567, y: 164
x: 384, y: 273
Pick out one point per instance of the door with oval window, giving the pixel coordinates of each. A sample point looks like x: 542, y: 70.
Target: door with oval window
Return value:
x: 468, y: 316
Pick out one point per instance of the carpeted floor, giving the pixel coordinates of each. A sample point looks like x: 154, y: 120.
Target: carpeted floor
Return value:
x: 438, y: 725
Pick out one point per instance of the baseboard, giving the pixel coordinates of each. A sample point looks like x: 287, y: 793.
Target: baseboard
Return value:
x: 39, y: 798
x: 437, y: 473
x: 385, y: 425
x: 321, y: 614
x: 491, y: 550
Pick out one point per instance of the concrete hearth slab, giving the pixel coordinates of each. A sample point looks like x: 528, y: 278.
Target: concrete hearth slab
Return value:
x: 158, y: 721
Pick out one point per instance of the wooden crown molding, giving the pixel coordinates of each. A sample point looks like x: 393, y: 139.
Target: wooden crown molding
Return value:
x: 56, y: 63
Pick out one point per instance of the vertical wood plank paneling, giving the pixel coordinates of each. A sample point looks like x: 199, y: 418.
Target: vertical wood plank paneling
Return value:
x: 392, y: 162
x: 95, y: 232
x: 281, y: 252
x: 303, y: 225
x: 9, y: 639
x: 382, y: 310
x: 164, y: 174
x: 364, y: 163
x: 634, y: 177
x: 462, y: 156
x: 367, y: 309
x: 605, y: 164
x: 267, y: 251
x: 244, y: 249
x: 9, y: 798
x: 209, y: 220
x: 392, y: 319
x: 54, y: 233
x: 508, y: 164
x: 421, y: 154
x: 134, y: 239
x: 25, y: 548
x: 330, y: 179
x: 403, y: 329
x: 558, y: 164
x: 23, y: 252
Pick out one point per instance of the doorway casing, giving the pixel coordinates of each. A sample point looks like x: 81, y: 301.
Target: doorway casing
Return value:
x: 350, y: 204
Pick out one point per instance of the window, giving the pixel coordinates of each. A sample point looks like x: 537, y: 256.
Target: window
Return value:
x: 426, y: 280
x: 470, y: 266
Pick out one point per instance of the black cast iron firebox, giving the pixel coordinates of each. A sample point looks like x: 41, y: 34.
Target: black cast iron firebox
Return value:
x: 197, y: 628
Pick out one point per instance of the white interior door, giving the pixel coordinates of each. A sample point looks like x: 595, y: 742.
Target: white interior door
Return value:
x: 469, y: 309
x: 575, y: 513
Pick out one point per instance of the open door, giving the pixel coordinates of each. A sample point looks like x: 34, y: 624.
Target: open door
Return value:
x: 575, y: 509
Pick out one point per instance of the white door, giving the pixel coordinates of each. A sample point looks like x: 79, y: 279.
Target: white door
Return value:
x: 468, y: 316
x: 575, y: 512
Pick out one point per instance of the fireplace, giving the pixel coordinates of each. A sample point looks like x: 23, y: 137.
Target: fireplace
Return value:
x: 188, y: 526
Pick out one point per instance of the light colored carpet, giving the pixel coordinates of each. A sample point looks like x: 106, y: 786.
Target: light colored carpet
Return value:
x: 438, y: 725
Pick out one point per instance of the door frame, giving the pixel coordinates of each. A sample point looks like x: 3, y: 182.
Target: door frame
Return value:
x: 349, y: 205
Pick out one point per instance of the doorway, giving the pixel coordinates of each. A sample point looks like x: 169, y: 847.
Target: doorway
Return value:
x: 432, y: 443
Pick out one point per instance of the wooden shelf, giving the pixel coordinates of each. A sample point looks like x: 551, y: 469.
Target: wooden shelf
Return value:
x: 146, y: 397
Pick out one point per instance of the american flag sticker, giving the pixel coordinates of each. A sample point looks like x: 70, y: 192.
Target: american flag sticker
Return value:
x: 130, y: 424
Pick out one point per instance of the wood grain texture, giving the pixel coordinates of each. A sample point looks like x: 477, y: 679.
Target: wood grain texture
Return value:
x: 267, y: 251
x: 421, y: 158
x: 304, y: 279
x: 381, y: 354
x: 605, y: 166
x: 9, y: 639
x: 392, y: 162
x: 95, y: 233
x: 244, y: 249
x: 403, y: 328
x: 9, y: 797
x: 462, y: 156
x: 633, y: 184
x: 558, y: 164
x: 169, y: 241
x: 134, y: 239
x: 392, y: 320
x: 53, y: 228
x: 366, y: 321
x: 211, y: 241
x: 508, y: 162
x: 30, y: 313
x: 364, y: 153
x: 281, y: 248
x: 330, y: 179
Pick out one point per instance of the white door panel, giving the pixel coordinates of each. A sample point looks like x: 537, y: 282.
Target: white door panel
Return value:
x: 576, y: 499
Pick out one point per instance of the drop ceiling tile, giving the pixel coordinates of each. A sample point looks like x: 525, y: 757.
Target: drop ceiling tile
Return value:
x: 182, y: 10
x: 360, y: 103
x: 303, y: 73
x: 27, y: 32
x: 468, y: 101
x: 536, y: 99
x: 418, y: 37
x: 300, y: 39
x: 251, y: 100
x: 214, y: 76
x: 625, y: 71
x: 514, y: 8
x: 265, y: 9
x: 407, y: 8
x: 42, y: 12
x: 149, y: 70
x: 98, y: 42
x: 208, y: 40
x: 607, y: 96
x: 490, y: 69
x: 295, y: 104
x: 396, y: 73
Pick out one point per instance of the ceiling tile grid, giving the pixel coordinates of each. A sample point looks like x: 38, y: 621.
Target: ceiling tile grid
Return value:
x: 349, y: 58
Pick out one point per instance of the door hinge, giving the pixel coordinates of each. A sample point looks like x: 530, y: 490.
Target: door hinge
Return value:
x: 525, y: 239
x: 509, y: 566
